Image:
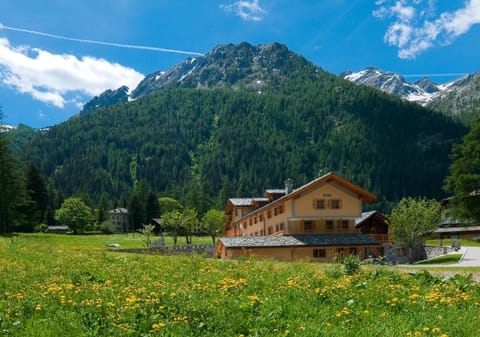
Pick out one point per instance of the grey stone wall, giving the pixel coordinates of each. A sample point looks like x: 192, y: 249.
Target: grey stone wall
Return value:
x: 204, y: 249
x: 395, y: 256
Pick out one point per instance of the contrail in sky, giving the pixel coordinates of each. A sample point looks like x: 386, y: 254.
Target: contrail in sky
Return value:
x: 435, y: 75
x: 113, y: 44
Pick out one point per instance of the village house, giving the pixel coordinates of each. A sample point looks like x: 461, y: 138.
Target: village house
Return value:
x: 453, y: 228
x: 118, y: 218
x: 317, y: 221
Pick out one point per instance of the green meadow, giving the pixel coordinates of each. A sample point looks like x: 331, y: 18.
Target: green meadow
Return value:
x: 56, y: 285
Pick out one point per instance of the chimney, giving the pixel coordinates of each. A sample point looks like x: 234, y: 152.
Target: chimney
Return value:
x: 288, y: 186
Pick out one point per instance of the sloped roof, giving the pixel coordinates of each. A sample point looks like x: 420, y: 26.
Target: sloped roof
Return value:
x: 314, y: 240
x: 275, y: 191
x: 457, y: 229
x: 451, y: 221
x: 118, y: 211
x: 367, y: 215
x: 331, y: 176
x: 244, y: 202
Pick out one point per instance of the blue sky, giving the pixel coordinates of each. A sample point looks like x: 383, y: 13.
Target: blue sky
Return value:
x: 55, y: 55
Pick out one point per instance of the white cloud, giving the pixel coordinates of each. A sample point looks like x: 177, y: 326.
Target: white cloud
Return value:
x: 51, y: 78
x: 415, y: 26
x: 247, y: 10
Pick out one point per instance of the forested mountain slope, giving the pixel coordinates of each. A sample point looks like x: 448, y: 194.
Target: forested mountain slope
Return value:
x: 214, y: 144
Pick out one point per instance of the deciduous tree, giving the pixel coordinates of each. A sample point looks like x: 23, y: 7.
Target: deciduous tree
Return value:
x: 75, y: 214
x: 179, y: 222
x: 411, y: 220
x: 213, y: 222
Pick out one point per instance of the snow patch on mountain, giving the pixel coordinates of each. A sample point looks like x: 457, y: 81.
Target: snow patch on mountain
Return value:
x: 422, y: 91
x: 6, y: 128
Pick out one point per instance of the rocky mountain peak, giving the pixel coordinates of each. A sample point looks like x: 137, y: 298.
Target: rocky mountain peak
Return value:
x: 230, y: 66
x: 389, y: 82
x: 427, y: 85
x: 458, y: 97
x: 107, y: 98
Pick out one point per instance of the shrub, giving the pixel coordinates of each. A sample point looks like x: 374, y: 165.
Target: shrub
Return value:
x: 351, y: 264
x: 41, y: 228
x: 106, y: 227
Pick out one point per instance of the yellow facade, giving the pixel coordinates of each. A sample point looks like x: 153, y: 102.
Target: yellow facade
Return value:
x: 296, y: 253
x: 327, y: 205
x: 289, y: 216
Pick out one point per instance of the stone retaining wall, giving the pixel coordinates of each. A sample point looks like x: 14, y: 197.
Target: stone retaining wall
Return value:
x: 207, y: 250
x: 394, y: 256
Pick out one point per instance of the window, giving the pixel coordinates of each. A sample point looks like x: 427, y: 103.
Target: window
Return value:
x: 353, y: 251
x: 329, y: 225
x: 262, y: 233
x: 319, y: 203
x: 260, y: 217
x: 344, y: 224
x: 276, y: 228
x: 275, y: 211
x: 269, y: 214
x: 335, y: 203
x: 250, y: 221
x: 280, y: 209
x: 270, y: 230
x: 282, y: 226
x: 320, y: 253
x: 307, y: 226
x: 255, y: 220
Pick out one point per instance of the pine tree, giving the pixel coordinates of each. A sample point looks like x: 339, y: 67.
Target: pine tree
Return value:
x: 11, y: 187
x: 464, y: 178
x: 37, y: 194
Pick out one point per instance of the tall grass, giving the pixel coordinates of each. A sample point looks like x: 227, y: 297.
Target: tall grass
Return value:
x: 52, y: 289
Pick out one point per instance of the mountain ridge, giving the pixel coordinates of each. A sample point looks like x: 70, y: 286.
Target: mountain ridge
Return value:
x: 253, y: 68
x: 458, y: 97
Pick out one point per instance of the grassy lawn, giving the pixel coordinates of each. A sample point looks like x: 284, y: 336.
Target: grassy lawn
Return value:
x: 447, y: 243
x: 98, y: 241
x: 445, y: 259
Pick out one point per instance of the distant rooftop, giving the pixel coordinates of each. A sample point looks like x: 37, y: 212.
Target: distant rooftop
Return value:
x: 246, y: 201
x: 346, y: 239
x: 118, y: 211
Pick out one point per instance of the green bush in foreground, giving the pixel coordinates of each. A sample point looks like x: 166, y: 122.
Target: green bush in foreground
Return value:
x: 49, y: 291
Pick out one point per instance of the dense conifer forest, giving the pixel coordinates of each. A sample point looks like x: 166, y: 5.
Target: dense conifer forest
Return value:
x: 209, y: 145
